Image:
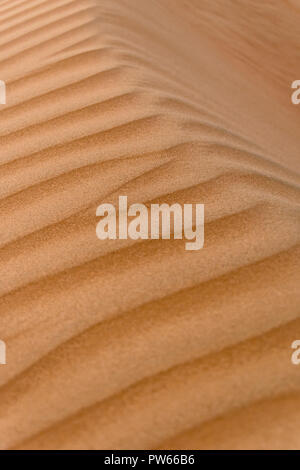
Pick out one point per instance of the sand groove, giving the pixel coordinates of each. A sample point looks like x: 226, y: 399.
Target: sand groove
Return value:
x: 141, y: 344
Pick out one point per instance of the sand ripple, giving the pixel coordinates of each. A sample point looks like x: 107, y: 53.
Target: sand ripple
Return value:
x: 125, y: 344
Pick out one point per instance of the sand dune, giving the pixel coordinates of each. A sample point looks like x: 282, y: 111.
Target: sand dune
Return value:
x: 124, y: 344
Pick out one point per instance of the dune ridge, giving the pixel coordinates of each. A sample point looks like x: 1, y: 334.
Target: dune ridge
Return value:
x: 140, y: 344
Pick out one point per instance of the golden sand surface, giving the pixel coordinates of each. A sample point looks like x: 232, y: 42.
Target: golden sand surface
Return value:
x: 140, y: 344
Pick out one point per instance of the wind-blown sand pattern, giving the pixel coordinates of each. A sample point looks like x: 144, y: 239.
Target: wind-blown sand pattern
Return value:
x: 141, y: 344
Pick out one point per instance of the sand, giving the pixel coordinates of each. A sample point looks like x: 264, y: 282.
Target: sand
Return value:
x: 141, y: 344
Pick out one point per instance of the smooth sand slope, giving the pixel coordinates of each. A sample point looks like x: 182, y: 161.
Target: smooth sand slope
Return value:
x: 141, y: 344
